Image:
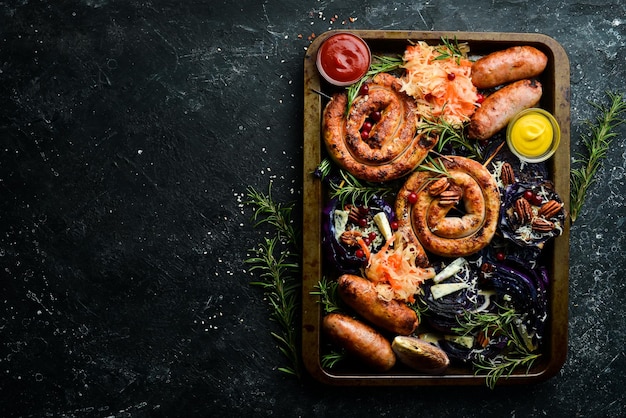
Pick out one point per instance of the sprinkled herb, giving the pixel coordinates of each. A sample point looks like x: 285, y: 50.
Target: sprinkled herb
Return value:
x: 596, y: 143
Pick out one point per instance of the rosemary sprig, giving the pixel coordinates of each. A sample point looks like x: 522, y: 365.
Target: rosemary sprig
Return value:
x: 596, y: 144
x: 351, y: 189
x: 331, y: 359
x: 277, y: 272
x: 331, y: 302
x: 271, y: 212
x: 323, y: 169
x: 451, y: 49
x: 380, y: 64
x: 449, y: 134
x: 281, y: 289
x: 503, y: 367
x: 503, y: 323
x: 434, y: 165
x: 327, y: 292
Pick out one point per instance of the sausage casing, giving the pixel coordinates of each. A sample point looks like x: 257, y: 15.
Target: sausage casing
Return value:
x: 500, y: 107
x: 360, y: 294
x: 360, y: 340
x: 505, y: 66
x: 425, y: 220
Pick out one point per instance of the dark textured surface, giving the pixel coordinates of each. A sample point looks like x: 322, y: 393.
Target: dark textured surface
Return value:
x: 129, y: 131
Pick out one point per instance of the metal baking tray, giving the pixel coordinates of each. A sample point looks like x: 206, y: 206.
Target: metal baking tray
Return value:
x: 556, y: 99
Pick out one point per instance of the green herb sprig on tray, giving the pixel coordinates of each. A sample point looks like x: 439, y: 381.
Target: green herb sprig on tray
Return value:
x: 451, y: 49
x: 503, y: 323
x: 274, y: 259
x: 327, y: 292
x: 434, y: 165
x: 596, y: 144
x: 380, y: 64
x: 331, y: 302
x: 350, y: 189
x: 449, y: 134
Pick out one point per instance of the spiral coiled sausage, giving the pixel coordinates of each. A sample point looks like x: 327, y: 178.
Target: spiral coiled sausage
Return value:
x: 436, y: 221
x: 394, y: 146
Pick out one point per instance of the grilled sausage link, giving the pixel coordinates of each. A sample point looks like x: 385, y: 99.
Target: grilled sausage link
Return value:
x: 505, y: 66
x: 360, y: 294
x: 500, y: 107
x: 425, y: 220
x: 360, y: 340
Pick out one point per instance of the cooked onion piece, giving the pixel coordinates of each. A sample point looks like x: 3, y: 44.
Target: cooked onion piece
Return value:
x: 377, y: 138
x: 452, y: 221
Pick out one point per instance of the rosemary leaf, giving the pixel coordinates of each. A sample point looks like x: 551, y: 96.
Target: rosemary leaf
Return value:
x: 330, y: 360
x: 273, y: 262
x: 329, y: 298
x: 435, y: 166
x: 452, y: 135
x: 596, y: 144
x: 273, y: 213
x: 352, y: 189
x: 451, y: 49
x: 380, y: 64
x: 504, y: 323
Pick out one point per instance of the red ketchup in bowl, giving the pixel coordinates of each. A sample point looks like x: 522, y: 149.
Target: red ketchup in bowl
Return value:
x: 343, y: 59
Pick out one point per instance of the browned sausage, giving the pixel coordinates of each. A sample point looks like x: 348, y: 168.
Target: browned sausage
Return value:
x: 511, y: 64
x: 425, y: 220
x: 500, y: 107
x: 360, y: 294
x: 359, y: 340
x: 395, y: 145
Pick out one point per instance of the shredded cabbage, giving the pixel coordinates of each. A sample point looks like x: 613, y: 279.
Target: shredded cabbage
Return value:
x: 442, y: 86
x: 394, y: 273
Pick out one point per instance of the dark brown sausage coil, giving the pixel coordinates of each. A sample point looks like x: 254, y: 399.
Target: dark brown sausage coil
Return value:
x: 442, y: 226
x: 394, y: 146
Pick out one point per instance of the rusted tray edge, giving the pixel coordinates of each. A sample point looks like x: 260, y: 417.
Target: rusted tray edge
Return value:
x: 312, y: 208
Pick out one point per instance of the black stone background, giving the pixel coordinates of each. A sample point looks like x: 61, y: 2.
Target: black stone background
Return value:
x: 129, y: 132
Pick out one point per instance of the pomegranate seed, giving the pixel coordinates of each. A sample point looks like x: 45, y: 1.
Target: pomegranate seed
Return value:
x: 500, y: 256
x: 480, y: 98
x: 376, y: 116
x: 359, y: 253
x: 364, y: 90
x: 362, y: 222
x: 529, y: 195
x: 366, y: 241
x: 367, y: 126
x: 394, y: 225
x: 365, y: 134
x: 372, y: 236
x: 451, y: 76
x: 537, y: 200
x: 412, y: 198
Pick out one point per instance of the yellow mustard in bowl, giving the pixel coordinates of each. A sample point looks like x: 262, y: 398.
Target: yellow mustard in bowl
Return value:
x: 533, y: 135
